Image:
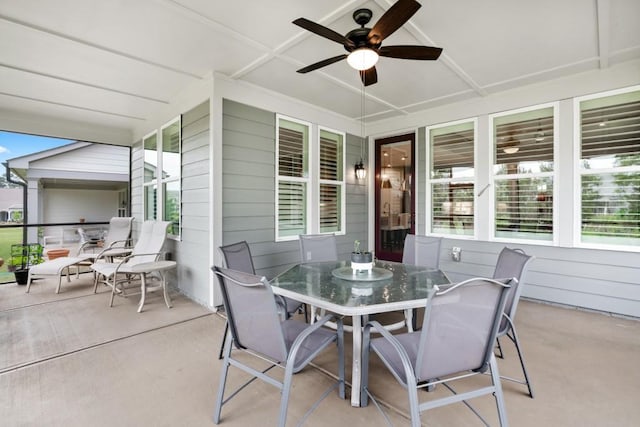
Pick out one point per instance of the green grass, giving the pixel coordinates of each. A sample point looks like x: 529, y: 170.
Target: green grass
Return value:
x: 8, y: 237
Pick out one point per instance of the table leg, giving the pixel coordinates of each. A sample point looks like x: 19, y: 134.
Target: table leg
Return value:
x: 167, y: 299
x: 143, y: 291
x: 356, y: 367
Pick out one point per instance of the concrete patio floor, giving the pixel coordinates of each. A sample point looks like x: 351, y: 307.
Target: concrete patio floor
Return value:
x: 70, y: 360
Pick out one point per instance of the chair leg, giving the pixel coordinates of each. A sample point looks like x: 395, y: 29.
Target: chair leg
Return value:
x: 223, y: 379
x: 501, y: 355
x: 224, y: 340
x: 495, y: 378
x: 286, y: 389
x: 515, y: 340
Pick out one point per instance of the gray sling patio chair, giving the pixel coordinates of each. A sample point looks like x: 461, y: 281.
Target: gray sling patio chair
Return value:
x: 319, y: 248
x: 513, y: 263
x: 148, y: 249
x: 456, y: 342
x: 256, y: 329
x: 423, y: 251
x: 237, y: 256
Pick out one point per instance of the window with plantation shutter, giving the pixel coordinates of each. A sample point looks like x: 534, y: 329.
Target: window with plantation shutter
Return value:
x: 609, y: 157
x: 331, y: 181
x: 452, y: 179
x: 292, y: 178
x: 523, y: 178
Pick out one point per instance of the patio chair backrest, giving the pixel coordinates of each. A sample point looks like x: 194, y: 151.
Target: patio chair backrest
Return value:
x: 152, y: 236
x: 252, y: 313
x: 460, y: 328
x: 318, y: 247
x: 512, y: 263
x: 119, y: 231
x: 422, y: 250
x: 237, y: 256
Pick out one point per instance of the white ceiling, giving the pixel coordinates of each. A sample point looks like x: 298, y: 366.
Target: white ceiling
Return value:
x: 113, y: 63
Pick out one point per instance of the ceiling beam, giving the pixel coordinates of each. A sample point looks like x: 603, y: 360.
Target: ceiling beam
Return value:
x: 80, y: 83
x: 76, y: 40
x: 604, y: 31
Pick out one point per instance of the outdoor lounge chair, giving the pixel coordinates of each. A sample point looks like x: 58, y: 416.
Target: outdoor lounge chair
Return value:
x: 257, y: 329
x: 148, y: 249
x: 114, y: 245
x: 455, y: 343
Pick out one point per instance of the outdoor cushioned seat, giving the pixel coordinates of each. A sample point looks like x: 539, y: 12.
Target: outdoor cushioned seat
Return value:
x: 55, y: 267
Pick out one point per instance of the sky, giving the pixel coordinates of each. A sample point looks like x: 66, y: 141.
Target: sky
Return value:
x: 19, y: 144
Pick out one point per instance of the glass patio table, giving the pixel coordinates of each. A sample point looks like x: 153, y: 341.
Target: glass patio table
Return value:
x: 332, y: 286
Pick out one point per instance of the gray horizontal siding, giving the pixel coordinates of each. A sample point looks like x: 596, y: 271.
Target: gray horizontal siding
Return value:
x: 595, y: 279
x: 249, y: 189
x: 192, y: 251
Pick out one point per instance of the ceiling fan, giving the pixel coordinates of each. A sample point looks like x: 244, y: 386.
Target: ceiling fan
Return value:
x: 365, y: 44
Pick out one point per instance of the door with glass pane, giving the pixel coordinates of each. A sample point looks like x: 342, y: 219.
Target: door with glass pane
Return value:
x: 394, y: 195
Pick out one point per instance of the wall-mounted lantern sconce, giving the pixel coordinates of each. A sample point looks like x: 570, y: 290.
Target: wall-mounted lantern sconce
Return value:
x: 361, y: 172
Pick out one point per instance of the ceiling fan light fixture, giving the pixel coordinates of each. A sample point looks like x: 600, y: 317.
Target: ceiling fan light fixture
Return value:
x: 362, y: 58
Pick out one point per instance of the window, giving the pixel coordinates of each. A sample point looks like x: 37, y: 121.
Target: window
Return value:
x: 310, y: 194
x: 609, y: 169
x: 171, y: 172
x: 164, y: 155
x: 150, y: 184
x: 331, y: 181
x: 292, y: 178
x: 523, y: 174
x: 452, y: 178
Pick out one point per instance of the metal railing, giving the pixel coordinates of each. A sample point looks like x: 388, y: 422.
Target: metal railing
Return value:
x: 49, y: 235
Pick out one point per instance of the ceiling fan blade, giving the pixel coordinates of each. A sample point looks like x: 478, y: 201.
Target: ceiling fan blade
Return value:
x: 392, y: 19
x: 321, y: 64
x: 369, y: 76
x: 323, y: 31
x: 410, y: 52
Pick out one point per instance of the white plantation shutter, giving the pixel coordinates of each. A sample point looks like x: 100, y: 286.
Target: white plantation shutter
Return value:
x: 452, y: 179
x: 523, y: 174
x: 610, y: 169
x: 331, y: 181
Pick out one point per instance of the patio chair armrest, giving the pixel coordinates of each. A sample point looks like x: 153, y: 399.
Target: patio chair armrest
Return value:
x: 101, y: 254
x: 112, y: 244
x: 402, y: 353
x: 128, y: 257
x: 295, y: 346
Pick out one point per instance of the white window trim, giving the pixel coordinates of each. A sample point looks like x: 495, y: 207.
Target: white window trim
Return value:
x: 312, y: 180
x: 578, y: 172
x: 493, y: 177
x: 159, y: 181
x: 430, y: 181
x: 306, y: 179
x: 162, y: 181
x: 153, y: 182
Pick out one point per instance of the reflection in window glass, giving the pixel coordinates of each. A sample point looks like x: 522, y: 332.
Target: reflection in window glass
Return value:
x: 150, y: 144
x: 171, y: 151
x: 150, y: 202
x: 171, y: 210
x: 610, y: 169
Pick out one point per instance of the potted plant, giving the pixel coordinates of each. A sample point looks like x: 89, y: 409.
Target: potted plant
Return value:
x: 23, y: 257
x: 360, y: 256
